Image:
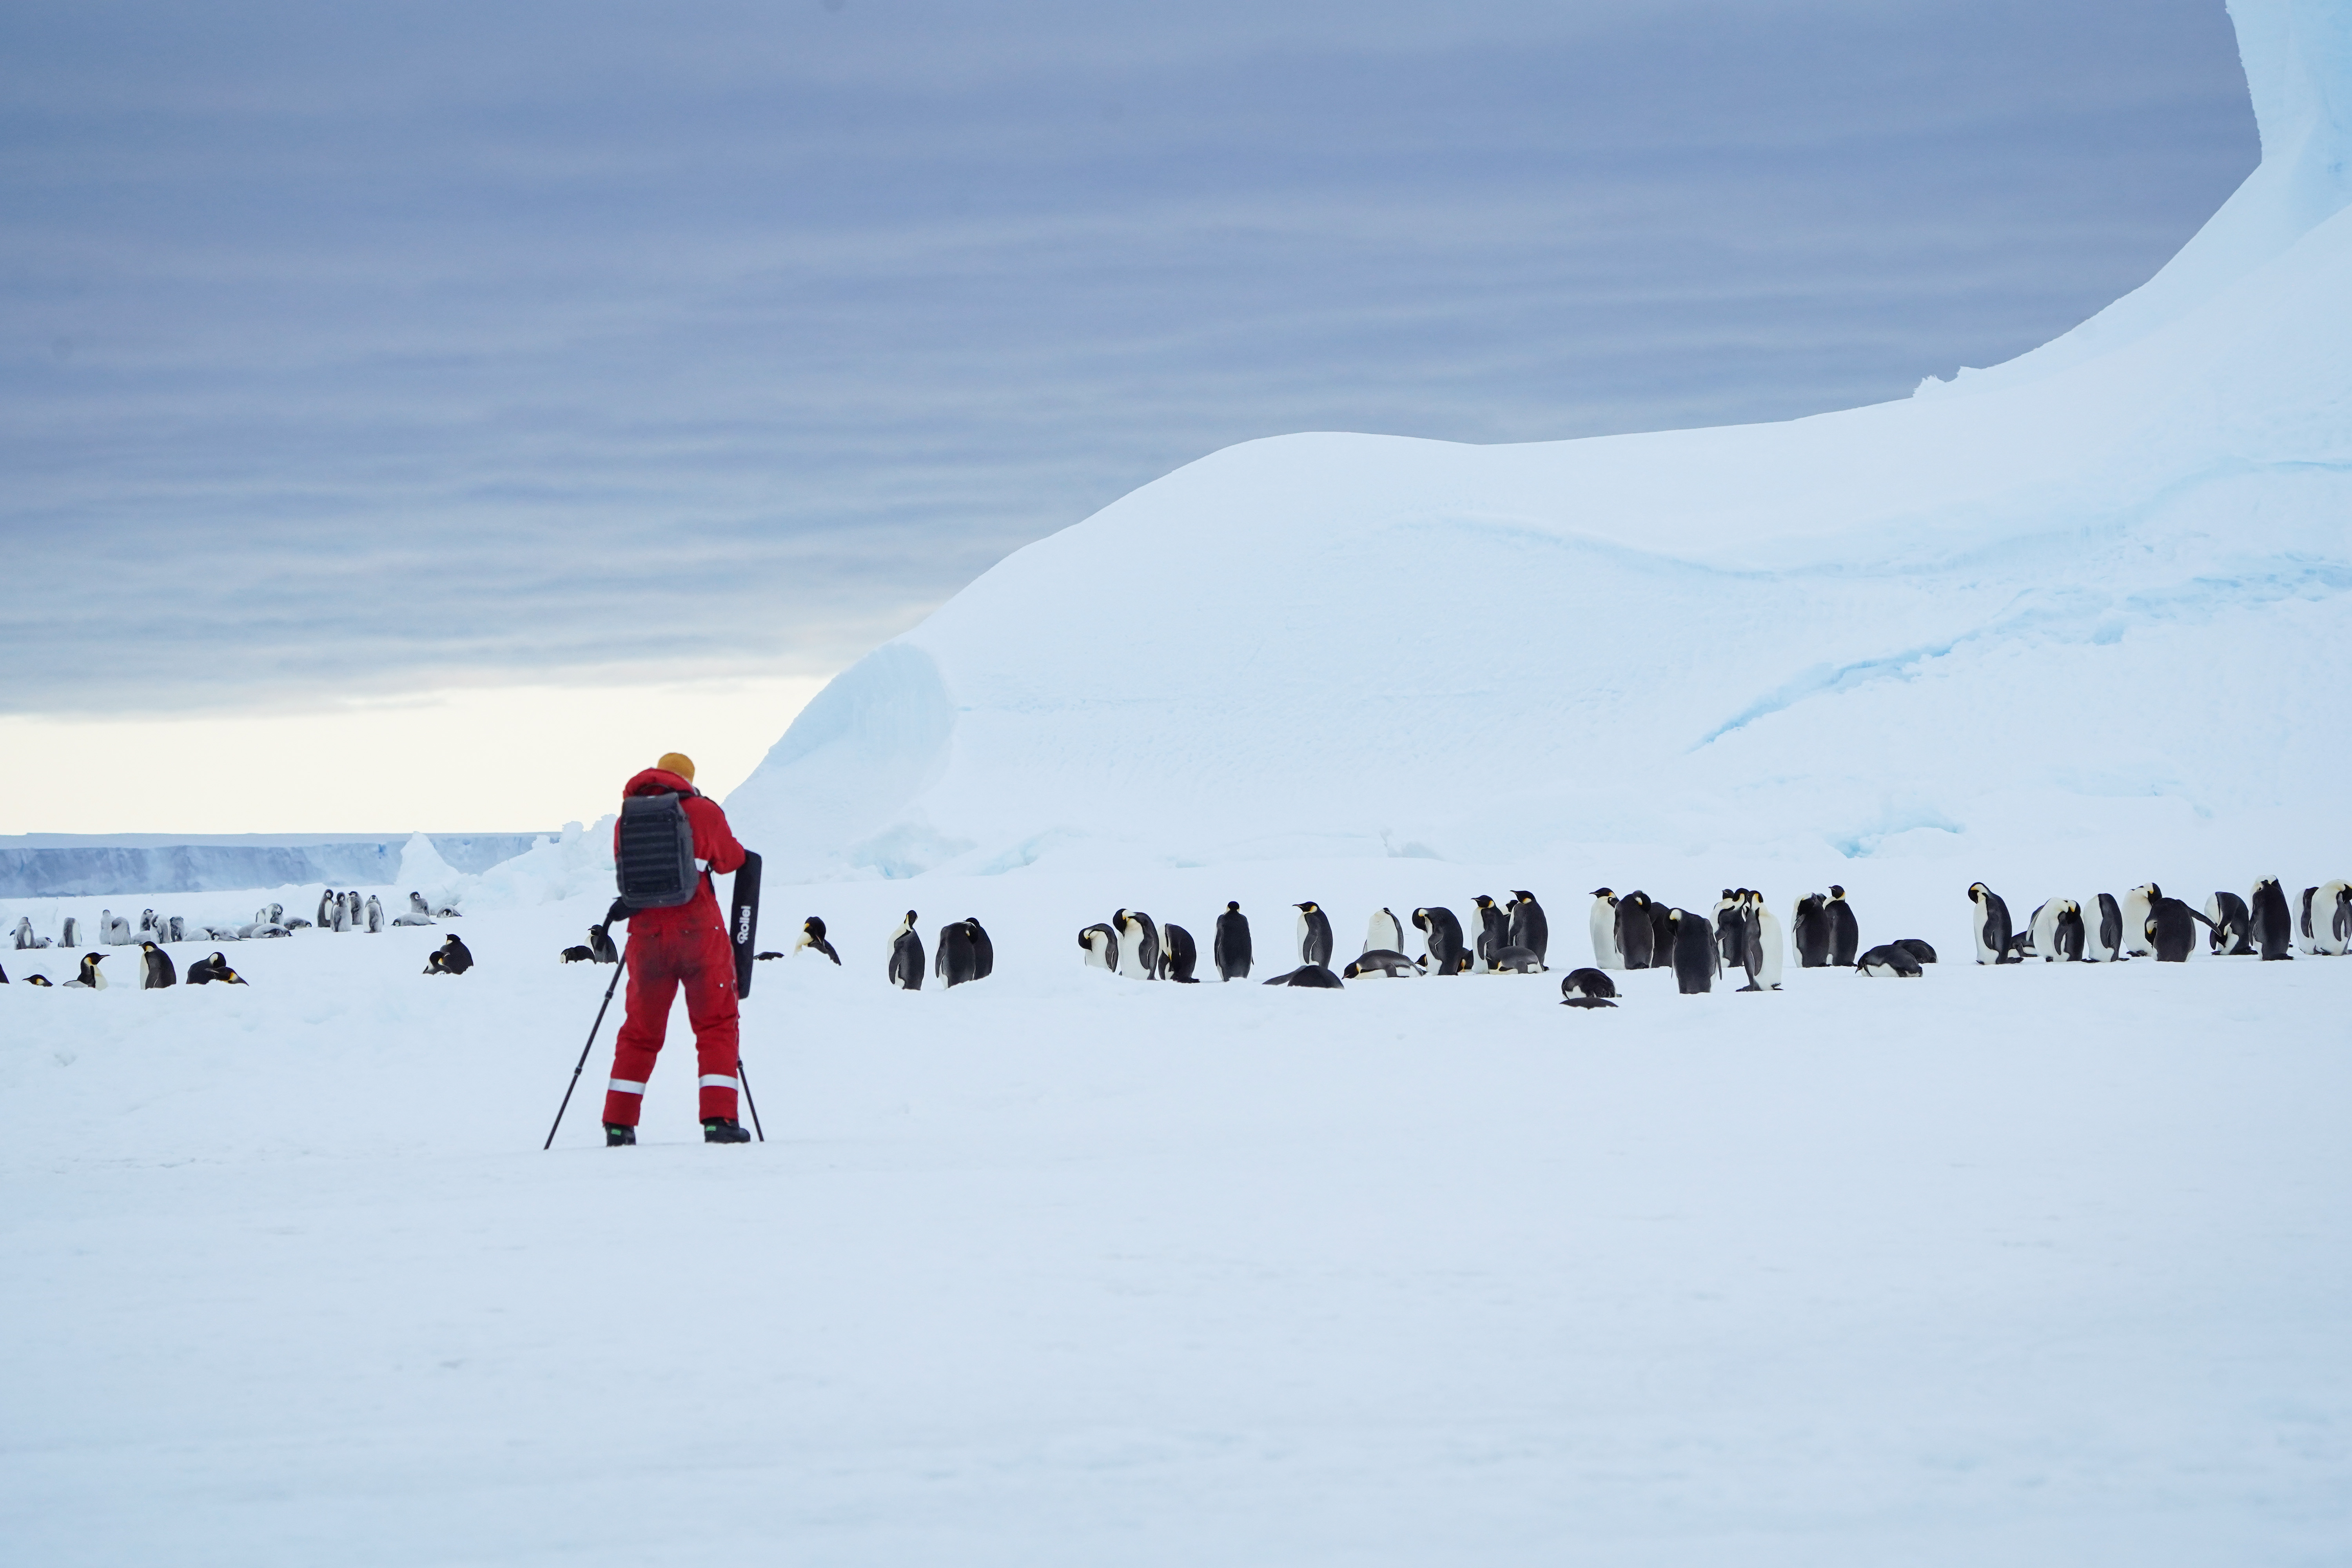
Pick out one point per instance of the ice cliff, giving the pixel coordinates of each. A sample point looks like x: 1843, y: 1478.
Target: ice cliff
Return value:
x: 2100, y: 589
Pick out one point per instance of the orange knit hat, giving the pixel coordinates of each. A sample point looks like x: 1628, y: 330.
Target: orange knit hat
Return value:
x: 678, y: 762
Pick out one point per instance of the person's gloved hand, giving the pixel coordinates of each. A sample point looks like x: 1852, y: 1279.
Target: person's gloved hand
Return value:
x: 619, y: 911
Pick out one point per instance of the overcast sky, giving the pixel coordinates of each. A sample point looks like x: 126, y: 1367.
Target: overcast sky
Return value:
x: 351, y: 351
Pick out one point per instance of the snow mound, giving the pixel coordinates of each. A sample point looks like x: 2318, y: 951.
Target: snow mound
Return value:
x: 2104, y: 592
x: 578, y: 863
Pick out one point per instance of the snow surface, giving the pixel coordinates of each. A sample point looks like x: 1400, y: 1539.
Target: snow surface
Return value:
x: 2102, y: 590
x: 2029, y: 1265
x: 2039, y: 1265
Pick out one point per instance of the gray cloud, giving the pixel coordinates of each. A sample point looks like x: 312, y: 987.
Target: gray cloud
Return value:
x: 446, y: 342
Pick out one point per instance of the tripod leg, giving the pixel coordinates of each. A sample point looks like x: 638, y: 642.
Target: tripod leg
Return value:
x: 744, y: 1079
x: 619, y: 969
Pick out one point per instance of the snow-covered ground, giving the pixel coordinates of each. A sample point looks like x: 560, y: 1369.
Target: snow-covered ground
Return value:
x: 2029, y: 1265
x: 2046, y: 1264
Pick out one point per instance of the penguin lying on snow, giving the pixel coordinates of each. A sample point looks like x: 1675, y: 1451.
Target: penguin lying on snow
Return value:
x: 205, y: 971
x: 1889, y: 958
x: 36, y: 980
x: 576, y: 955
x: 1383, y: 964
x: 1588, y: 988
x: 91, y: 977
x: 907, y: 956
x: 450, y: 958
x: 417, y: 915
x: 812, y: 939
x: 1516, y: 961
x: 1916, y: 948
x: 1311, y: 978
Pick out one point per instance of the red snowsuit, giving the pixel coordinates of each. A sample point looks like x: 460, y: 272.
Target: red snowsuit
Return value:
x: 686, y: 945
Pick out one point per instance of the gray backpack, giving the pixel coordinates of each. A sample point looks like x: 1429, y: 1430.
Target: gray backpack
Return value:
x: 655, y: 860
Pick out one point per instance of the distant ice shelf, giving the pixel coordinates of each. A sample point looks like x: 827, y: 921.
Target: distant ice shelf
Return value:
x: 61, y: 865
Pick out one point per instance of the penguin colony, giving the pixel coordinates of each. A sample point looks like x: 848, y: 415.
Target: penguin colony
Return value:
x: 1738, y: 938
x: 153, y: 933
x: 2146, y: 922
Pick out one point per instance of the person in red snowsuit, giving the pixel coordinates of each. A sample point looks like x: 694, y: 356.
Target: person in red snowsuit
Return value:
x: 688, y: 946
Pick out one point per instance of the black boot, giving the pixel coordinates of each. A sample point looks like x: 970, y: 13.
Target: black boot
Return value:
x: 617, y: 1136
x: 723, y: 1129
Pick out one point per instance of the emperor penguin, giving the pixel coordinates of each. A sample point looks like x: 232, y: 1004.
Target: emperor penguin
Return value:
x: 374, y: 914
x: 36, y: 980
x: 326, y: 921
x: 69, y: 934
x: 1314, y: 935
x: 2137, y: 904
x: 155, y: 970
x: 1494, y: 933
x: 24, y: 937
x: 1916, y: 948
x: 1694, y: 956
x: 1811, y: 926
x: 907, y: 955
x: 150, y: 928
x: 600, y: 945
x: 2230, y: 932
x: 952, y: 958
x: 452, y: 957
x: 1516, y: 961
x: 2331, y: 919
x: 1138, y: 945
x: 1889, y: 958
x: 1383, y: 934
x: 1587, y: 988
x: 1662, y: 936
x: 1527, y: 927
x: 1179, y: 955
x: 983, y: 952
x: 1382, y: 963
x: 1310, y: 977
x: 2045, y: 927
x: 1606, y: 953
x: 1768, y: 945
x: 1846, y: 932
x: 1990, y: 926
x: 2304, y: 930
x: 1101, y: 946
x: 113, y: 930
x: 2104, y: 938
x: 812, y: 939
x: 2171, y: 929
x: 2271, y: 931
x: 1230, y: 946
x: 205, y: 971
x: 1441, y: 935
x: 1635, y: 942
x: 90, y: 978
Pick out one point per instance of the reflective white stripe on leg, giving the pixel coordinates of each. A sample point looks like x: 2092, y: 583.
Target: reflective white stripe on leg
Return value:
x: 712, y: 1081
x: 623, y: 1086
